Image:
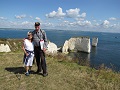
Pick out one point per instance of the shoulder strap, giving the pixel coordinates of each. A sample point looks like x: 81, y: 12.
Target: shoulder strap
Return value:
x: 43, y: 34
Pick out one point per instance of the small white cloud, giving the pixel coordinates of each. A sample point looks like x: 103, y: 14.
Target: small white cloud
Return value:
x: 66, y: 21
x: 97, y: 24
x: 55, y: 14
x: 106, y: 22
x: 84, y: 23
x: 112, y: 18
x: 83, y: 15
x: 47, y: 24
x: 25, y: 23
x: 73, y: 13
x: 3, y: 18
x: 94, y: 20
x: 20, y: 16
x: 37, y: 18
x: 79, y: 19
x: 31, y: 17
x: 51, y: 15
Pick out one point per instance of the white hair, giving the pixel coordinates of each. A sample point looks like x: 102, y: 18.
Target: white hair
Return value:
x: 29, y: 32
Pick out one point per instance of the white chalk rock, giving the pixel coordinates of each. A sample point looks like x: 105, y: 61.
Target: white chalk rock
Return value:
x: 71, y: 43
x: 52, y: 48
x: 65, y: 47
x: 83, y: 44
x: 94, y: 41
x: 4, y: 48
x: 77, y: 44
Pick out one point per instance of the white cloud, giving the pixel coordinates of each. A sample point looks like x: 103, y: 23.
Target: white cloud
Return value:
x: 31, y: 17
x: 55, y: 14
x: 79, y: 19
x: 84, y: 23
x: 66, y: 21
x: 37, y: 18
x: 112, y: 18
x: 106, y: 22
x: 83, y: 15
x: 94, y: 20
x: 73, y: 13
x: 48, y: 24
x: 3, y: 18
x: 97, y: 24
x: 25, y: 23
x: 20, y: 16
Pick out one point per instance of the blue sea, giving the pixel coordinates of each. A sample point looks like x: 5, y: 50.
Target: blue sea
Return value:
x: 107, y: 51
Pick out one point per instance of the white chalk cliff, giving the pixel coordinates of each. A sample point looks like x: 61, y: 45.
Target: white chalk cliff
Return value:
x: 52, y: 48
x: 77, y: 44
x: 4, y: 48
x: 94, y: 41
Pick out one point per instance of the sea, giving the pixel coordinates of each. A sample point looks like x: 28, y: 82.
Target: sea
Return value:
x: 106, y: 53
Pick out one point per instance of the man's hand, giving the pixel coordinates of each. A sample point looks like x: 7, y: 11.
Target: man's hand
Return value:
x: 44, y: 49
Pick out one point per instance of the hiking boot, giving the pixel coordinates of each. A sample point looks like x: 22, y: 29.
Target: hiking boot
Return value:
x: 27, y: 74
x: 29, y: 71
x: 45, y: 74
x: 37, y: 72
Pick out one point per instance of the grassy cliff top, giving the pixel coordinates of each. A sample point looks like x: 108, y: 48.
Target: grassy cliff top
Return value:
x: 63, y: 75
x: 14, y: 44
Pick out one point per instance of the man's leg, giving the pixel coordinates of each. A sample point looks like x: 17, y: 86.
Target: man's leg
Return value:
x: 37, y: 56
x: 43, y: 62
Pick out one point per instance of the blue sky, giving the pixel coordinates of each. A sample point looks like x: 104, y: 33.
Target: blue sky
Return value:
x: 84, y: 15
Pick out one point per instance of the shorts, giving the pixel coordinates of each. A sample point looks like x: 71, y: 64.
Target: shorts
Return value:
x: 29, y: 61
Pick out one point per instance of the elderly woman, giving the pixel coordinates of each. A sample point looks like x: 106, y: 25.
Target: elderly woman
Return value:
x: 28, y: 49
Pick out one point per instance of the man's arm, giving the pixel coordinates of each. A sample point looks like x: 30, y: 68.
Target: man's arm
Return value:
x: 45, y: 40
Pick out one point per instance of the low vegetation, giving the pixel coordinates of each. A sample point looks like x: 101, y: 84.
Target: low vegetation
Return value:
x: 63, y: 74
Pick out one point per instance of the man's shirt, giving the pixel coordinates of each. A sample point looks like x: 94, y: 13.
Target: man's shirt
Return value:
x: 39, y: 36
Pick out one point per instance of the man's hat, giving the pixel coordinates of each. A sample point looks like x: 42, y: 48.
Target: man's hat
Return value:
x: 37, y: 23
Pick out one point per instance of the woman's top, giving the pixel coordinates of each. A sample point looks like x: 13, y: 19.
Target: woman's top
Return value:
x: 28, y: 45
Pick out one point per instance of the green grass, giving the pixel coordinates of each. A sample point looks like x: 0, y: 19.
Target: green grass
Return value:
x: 63, y: 75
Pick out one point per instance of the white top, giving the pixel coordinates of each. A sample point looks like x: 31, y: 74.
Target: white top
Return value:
x: 28, y: 45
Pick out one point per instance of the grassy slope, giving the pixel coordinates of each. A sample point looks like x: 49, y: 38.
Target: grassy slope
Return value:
x: 63, y: 75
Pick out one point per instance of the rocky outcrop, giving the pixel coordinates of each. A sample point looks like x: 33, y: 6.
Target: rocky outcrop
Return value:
x: 77, y: 44
x: 52, y: 48
x: 94, y: 41
x: 65, y: 47
x: 4, y: 48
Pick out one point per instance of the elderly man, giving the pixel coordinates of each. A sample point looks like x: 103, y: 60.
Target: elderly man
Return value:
x: 40, y: 46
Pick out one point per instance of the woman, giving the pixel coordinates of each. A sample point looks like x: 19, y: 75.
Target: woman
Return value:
x: 28, y: 49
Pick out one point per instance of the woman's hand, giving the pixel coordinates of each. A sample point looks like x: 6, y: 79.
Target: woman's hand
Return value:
x: 26, y: 54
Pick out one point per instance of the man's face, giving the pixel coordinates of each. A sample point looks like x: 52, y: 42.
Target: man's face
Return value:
x: 37, y: 28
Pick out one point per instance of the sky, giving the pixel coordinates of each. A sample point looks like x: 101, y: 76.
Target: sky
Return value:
x: 83, y: 15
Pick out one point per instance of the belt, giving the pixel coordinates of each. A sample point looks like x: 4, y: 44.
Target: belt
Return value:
x: 36, y: 46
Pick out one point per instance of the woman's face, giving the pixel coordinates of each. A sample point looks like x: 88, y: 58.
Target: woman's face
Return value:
x: 30, y: 36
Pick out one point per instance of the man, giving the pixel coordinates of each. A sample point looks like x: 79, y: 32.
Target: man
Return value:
x: 40, y: 46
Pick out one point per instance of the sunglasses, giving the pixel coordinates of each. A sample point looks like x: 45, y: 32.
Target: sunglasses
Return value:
x: 28, y: 35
